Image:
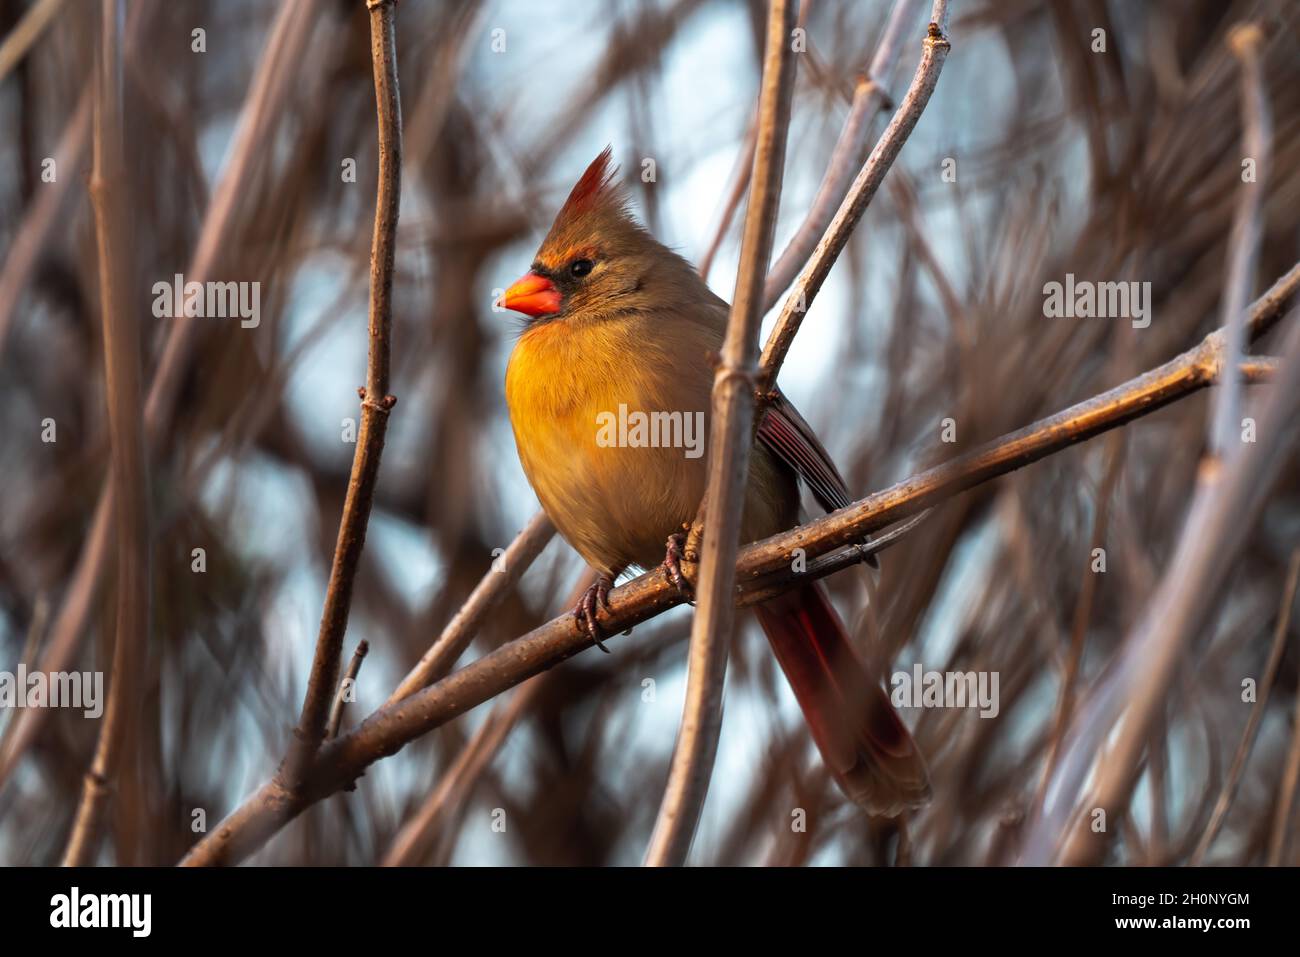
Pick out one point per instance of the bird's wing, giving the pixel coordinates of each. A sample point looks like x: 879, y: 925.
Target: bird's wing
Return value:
x: 791, y: 439
x: 788, y: 436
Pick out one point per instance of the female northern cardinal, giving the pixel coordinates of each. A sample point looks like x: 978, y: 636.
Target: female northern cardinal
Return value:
x: 616, y: 319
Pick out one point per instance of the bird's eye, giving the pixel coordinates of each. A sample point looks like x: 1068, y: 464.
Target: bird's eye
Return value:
x: 580, y: 267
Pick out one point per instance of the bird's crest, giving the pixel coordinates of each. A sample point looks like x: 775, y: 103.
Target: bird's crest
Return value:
x: 593, y: 188
x: 596, y: 207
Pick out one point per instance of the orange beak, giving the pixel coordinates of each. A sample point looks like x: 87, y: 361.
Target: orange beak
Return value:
x: 533, y: 295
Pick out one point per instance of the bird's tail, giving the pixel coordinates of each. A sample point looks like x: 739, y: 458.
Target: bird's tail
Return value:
x: 861, y: 737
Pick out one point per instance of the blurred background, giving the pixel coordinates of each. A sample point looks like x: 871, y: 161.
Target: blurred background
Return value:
x: 1114, y: 165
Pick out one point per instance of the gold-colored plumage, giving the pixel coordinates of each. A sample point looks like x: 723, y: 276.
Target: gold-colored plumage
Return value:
x: 617, y: 505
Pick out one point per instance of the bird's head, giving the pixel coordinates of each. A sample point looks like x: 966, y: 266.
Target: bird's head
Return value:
x: 596, y: 261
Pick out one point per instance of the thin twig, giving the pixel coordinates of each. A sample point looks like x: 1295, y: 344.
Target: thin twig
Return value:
x: 1247, y: 228
x: 739, y: 184
x: 870, y: 96
x: 761, y: 568
x: 108, y: 186
x: 1286, y: 794
x: 809, y: 283
x: 486, y: 596
x: 414, y: 837
x: 1229, y: 790
x: 375, y: 401
x: 729, y: 445
x: 348, y: 683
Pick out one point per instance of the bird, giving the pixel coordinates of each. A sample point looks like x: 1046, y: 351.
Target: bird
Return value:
x: 615, y: 320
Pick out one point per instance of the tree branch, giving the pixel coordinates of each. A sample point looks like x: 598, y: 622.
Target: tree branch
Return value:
x: 349, y: 682
x: 1229, y: 789
x: 1223, y: 507
x: 108, y: 184
x: 375, y: 402
x: 1247, y: 228
x: 487, y: 594
x: 869, y: 97
x: 934, y: 52
x: 729, y: 445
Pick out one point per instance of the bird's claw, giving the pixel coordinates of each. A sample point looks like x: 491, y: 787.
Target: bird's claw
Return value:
x: 589, y: 607
x: 672, y: 565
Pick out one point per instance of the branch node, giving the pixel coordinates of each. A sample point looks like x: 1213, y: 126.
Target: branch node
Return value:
x: 384, y: 405
x: 747, y: 377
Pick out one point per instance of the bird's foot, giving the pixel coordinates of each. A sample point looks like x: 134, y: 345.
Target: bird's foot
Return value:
x: 589, y: 607
x: 672, y: 565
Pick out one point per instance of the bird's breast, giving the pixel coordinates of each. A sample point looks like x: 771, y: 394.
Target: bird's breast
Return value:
x: 611, y: 423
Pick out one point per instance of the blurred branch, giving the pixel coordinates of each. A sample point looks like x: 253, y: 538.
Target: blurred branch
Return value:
x: 487, y: 595
x: 809, y: 283
x: 739, y: 183
x: 1247, y: 229
x: 1224, y: 507
x: 108, y: 186
x: 1229, y: 790
x: 267, y: 91
x: 729, y: 446
x: 869, y: 97
x: 1088, y: 586
x: 43, y: 215
x: 454, y: 785
x: 762, y: 565
x: 40, y: 220
x: 375, y: 402
x: 24, y: 36
x: 1286, y: 794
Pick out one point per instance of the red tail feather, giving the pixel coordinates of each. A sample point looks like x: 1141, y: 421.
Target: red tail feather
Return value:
x: 861, y: 738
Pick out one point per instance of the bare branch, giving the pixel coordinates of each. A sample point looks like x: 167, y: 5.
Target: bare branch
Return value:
x: 108, y: 185
x: 809, y: 283
x: 348, y: 683
x: 486, y: 596
x: 1229, y: 790
x: 413, y: 839
x: 1247, y: 229
x: 1227, y: 493
x: 729, y: 445
x: 375, y: 401
x: 870, y: 96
